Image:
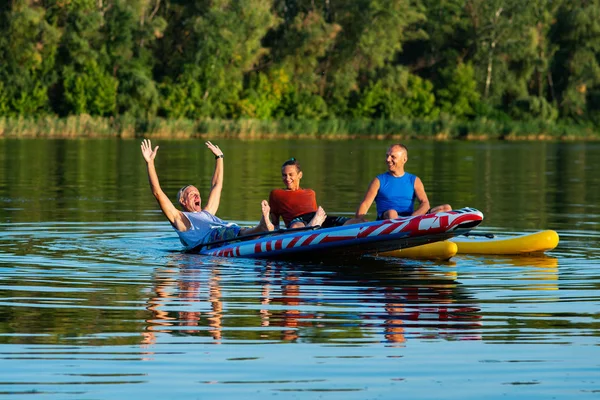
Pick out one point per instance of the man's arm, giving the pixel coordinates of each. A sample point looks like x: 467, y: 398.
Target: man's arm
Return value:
x: 214, y: 197
x: 363, y: 208
x: 422, y: 197
x: 173, y: 214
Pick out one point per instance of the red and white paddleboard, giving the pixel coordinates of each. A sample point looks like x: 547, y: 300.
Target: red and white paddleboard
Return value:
x: 350, y: 240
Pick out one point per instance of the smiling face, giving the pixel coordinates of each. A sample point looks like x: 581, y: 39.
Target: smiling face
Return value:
x: 395, y: 159
x: 291, y: 177
x: 190, y: 199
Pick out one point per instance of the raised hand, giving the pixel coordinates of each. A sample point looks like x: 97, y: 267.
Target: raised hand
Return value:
x: 214, y: 148
x: 147, y: 151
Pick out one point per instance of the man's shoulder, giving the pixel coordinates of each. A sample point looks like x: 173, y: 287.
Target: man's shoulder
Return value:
x: 383, y: 177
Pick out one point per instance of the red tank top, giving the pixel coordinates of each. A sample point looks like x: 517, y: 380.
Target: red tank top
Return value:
x: 288, y: 204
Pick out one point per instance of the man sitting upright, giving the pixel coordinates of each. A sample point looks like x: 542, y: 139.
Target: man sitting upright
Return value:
x: 395, y: 191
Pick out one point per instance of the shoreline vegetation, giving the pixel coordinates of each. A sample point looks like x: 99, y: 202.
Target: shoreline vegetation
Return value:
x: 86, y: 126
x: 278, y: 69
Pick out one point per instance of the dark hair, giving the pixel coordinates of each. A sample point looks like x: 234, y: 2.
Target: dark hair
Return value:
x: 294, y: 162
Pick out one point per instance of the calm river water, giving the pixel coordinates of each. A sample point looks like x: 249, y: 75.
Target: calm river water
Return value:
x: 98, y: 302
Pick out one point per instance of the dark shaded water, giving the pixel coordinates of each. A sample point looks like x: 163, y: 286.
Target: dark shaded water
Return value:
x: 97, y: 301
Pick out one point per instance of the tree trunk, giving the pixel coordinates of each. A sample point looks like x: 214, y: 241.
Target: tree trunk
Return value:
x: 488, y: 78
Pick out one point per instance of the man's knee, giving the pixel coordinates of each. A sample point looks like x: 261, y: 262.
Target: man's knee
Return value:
x: 390, y: 214
x: 297, y: 224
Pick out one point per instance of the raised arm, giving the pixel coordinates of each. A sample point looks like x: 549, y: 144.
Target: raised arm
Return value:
x: 363, y: 208
x: 173, y: 214
x: 214, y: 197
x: 421, y: 197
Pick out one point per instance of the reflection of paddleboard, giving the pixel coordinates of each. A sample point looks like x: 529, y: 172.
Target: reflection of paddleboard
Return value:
x: 537, y: 242
x: 538, y: 271
x: 443, y: 250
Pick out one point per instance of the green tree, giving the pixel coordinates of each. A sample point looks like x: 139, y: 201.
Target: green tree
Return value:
x: 458, y: 94
x: 264, y: 94
x: 82, y: 61
x: 91, y: 92
x: 28, y: 46
x: 221, y: 41
x: 503, y: 41
x: 531, y: 108
x: 576, y: 68
x: 131, y: 29
x: 396, y: 94
x: 372, y: 34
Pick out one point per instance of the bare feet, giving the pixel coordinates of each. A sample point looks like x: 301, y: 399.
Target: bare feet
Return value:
x: 355, y: 221
x: 265, y: 221
x: 319, y: 217
x: 442, y: 208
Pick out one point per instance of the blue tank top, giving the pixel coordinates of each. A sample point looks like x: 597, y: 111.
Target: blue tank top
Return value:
x: 396, y: 193
x: 202, y: 227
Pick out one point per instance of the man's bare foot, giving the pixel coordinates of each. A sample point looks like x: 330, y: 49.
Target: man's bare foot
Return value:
x: 319, y: 217
x: 265, y: 221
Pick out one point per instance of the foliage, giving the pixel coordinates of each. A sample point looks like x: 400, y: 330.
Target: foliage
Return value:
x: 319, y: 60
x: 396, y: 94
x: 458, y: 95
x: 531, y: 107
x: 264, y: 94
x: 92, y: 92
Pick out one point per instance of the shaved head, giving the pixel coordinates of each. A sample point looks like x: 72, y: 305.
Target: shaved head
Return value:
x: 399, y: 146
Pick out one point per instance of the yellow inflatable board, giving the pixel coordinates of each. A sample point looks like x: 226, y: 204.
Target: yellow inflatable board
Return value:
x: 537, y: 242
x: 528, y: 243
x: 442, y: 250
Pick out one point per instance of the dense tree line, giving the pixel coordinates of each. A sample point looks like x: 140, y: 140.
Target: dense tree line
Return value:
x: 302, y: 59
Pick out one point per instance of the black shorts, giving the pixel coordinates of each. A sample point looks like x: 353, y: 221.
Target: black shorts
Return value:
x: 328, y: 223
x: 380, y: 216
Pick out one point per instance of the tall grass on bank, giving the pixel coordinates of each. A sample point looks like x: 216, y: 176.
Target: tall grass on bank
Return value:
x: 85, y: 126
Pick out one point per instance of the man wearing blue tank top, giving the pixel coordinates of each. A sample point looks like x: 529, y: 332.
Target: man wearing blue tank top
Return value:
x: 196, y: 225
x: 396, y: 190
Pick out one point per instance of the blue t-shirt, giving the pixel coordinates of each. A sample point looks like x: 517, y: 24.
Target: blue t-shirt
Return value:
x: 396, y: 193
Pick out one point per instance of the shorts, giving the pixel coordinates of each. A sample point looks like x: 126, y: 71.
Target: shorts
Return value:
x: 328, y: 223
x: 223, y: 233
x: 405, y: 214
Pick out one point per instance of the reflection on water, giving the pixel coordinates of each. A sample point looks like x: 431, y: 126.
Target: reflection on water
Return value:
x: 97, y: 301
x: 328, y: 304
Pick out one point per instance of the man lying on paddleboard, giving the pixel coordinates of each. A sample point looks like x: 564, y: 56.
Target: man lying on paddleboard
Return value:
x: 195, y: 224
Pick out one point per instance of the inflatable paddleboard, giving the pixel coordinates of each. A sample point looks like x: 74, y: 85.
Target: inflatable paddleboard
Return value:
x: 349, y: 240
x: 443, y: 250
x: 537, y: 242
